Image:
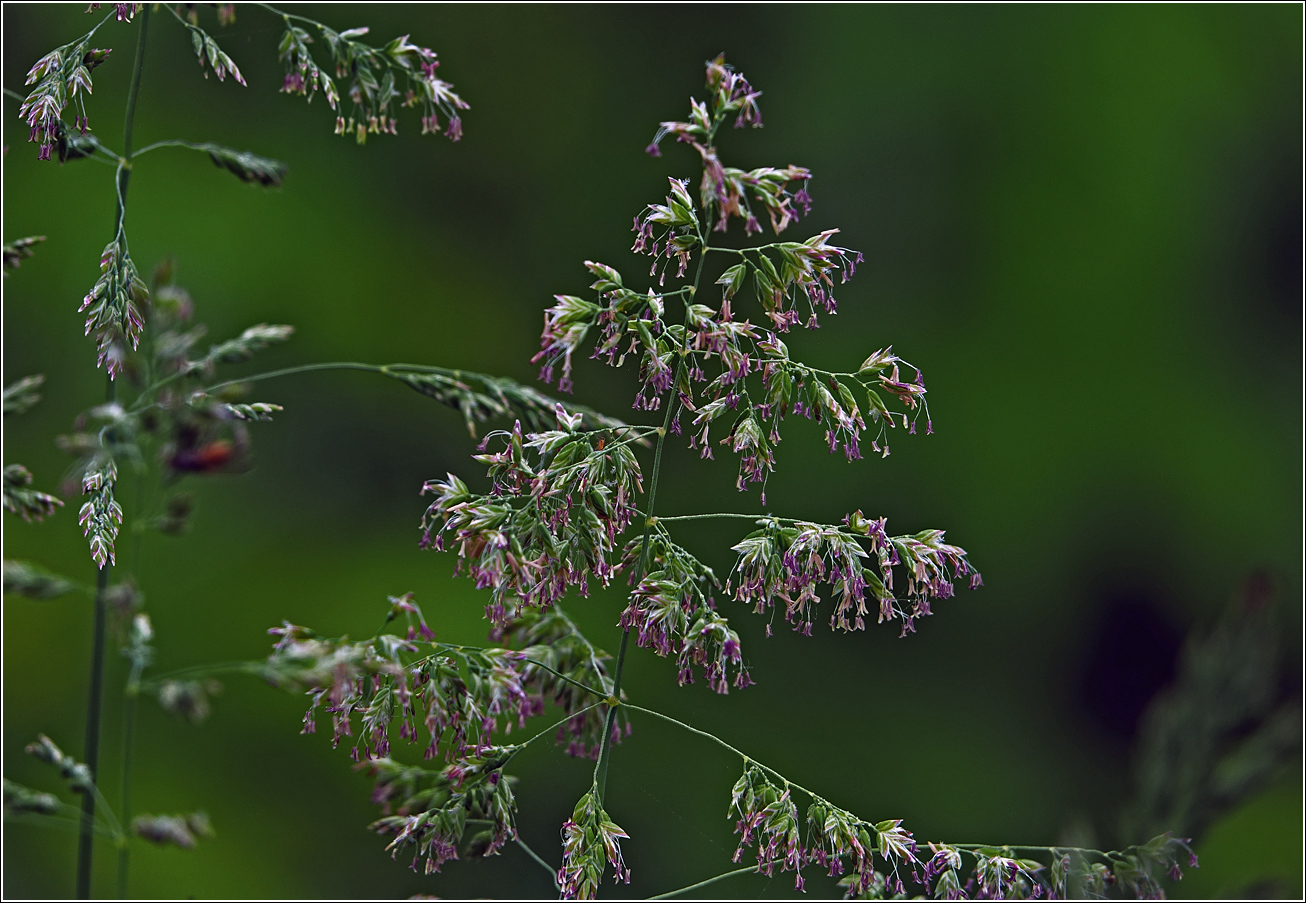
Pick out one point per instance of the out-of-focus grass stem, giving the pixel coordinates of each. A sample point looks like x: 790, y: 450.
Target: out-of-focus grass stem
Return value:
x: 86, y: 843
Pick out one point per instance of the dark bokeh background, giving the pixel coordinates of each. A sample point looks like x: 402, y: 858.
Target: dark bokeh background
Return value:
x: 1083, y: 224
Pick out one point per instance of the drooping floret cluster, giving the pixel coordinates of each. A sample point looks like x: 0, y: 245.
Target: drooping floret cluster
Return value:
x: 101, y: 515
x: 379, y: 78
x: 766, y: 816
x: 432, y: 809
x: 883, y: 860
x: 558, y: 502
x: 589, y: 840
x: 21, y: 499
x: 998, y: 874
x: 113, y: 307
x: 61, y: 77
x: 183, y: 831
x: 672, y: 612
x: 785, y: 562
x: 19, y: 496
x: 210, y: 56
x: 461, y: 697
x: 122, y: 11
x: 76, y: 773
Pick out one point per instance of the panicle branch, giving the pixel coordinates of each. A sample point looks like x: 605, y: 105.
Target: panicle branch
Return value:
x: 61, y: 77
x: 462, y: 697
x: 379, y: 78
x: 18, y: 250
x: 746, y: 369
x: 207, y: 52
x: 784, y: 562
x: 557, y: 662
x: 481, y: 398
x: 29, y: 504
x: 77, y: 775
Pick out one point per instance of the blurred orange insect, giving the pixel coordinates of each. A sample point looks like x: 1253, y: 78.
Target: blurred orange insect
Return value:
x: 209, y: 456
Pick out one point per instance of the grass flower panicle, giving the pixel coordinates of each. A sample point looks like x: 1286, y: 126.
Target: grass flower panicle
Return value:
x: 61, y: 77
x: 589, y: 840
x: 398, y: 73
x: 211, y: 57
x: 784, y: 562
x: 558, y: 502
x: 433, y: 809
x: 18, y: 250
x: 183, y: 831
x: 19, y: 799
x: 77, y: 774
x: 29, y: 504
x: 23, y: 578
x: 113, y: 307
x: 567, y: 503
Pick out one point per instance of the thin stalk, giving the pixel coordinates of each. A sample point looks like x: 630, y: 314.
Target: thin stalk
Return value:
x: 288, y: 16
x: 972, y: 847
x: 86, y: 843
x: 673, y: 402
x: 130, y: 693
x: 553, y: 873
x: 575, y: 683
x: 605, y: 743
x: 205, y: 671
x: 193, y: 145
x: 717, y: 740
x: 302, y: 368
x: 386, y: 369
x: 743, y: 251
x: 343, y: 365
x: 724, y: 514
x: 142, y: 401
x: 548, y: 730
x: 530, y: 661
x: 128, y: 733
x: 964, y: 847
x: 755, y: 869
x: 66, y: 822
x: 95, y: 697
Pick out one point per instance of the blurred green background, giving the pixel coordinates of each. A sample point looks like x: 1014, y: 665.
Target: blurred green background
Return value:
x: 1082, y: 223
